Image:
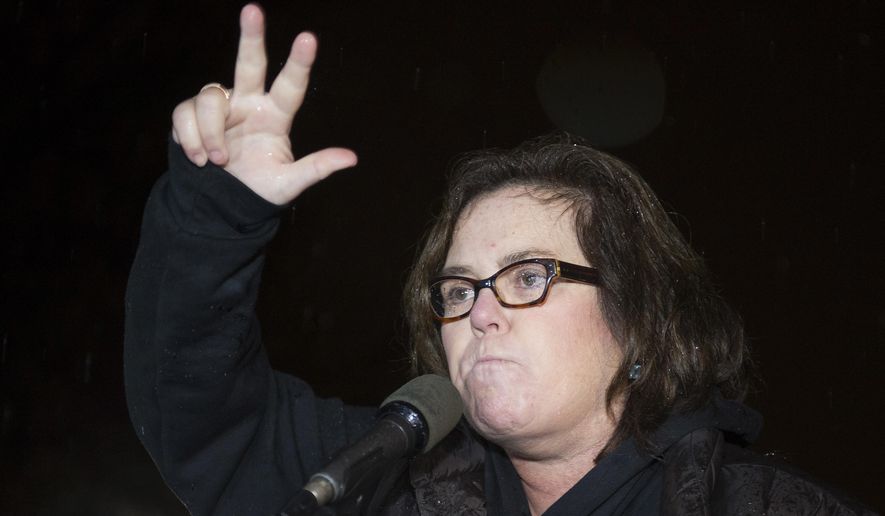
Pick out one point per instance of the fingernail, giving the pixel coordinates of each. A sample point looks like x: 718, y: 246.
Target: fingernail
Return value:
x: 198, y: 158
x: 216, y: 156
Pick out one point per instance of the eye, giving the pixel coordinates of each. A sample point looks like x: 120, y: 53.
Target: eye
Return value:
x: 457, y: 294
x: 531, y: 279
x: 527, y: 276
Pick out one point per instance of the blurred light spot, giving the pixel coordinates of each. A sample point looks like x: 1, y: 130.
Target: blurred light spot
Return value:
x: 612, y: 93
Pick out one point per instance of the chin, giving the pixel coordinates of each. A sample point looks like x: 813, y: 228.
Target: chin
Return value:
x: 498, y: 416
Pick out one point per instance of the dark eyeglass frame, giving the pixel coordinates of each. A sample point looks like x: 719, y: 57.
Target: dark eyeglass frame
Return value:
x: 555, y: 269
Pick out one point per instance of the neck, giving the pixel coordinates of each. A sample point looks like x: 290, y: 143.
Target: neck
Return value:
x: 545, y: 482
x: 548, y: 471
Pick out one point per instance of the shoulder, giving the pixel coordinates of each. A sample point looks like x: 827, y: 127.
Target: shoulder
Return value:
x: 706, y: 474
x: 750, y: 483
x: 449, y: 479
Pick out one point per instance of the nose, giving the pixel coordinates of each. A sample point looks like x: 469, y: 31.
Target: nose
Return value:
x: 487, y: 315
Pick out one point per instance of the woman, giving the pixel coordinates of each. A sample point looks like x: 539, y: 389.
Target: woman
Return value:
x: 595, y: 361
x: 608, y: 356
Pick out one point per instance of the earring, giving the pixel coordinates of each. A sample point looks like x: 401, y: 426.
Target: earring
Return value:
x: 635, y: 371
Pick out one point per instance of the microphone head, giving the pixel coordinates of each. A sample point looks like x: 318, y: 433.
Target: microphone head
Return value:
x: 438, y: 402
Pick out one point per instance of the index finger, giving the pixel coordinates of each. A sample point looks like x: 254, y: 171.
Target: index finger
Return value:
x: 288, y: 89
x: 251, y: 68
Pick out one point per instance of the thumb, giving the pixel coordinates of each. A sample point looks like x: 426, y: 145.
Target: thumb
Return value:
x: 313, y: 168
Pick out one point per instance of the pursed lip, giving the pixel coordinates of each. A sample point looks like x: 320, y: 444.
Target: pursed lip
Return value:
x: 492, y: 359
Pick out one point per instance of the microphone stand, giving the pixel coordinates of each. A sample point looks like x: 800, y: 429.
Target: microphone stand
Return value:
x: 304, y: 503
x: 366, y: 499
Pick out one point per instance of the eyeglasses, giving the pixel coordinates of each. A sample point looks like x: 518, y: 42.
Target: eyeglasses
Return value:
x: 520, y: 284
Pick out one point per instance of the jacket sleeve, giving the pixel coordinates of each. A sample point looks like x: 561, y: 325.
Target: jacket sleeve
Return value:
x: 228, y: 434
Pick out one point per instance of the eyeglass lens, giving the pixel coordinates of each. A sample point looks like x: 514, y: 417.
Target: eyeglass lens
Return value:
x: 518, y: 284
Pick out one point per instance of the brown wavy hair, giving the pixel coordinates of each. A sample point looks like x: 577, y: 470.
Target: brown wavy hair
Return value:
x: 656, y: 294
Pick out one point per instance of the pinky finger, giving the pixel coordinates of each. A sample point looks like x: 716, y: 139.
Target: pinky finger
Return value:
x: 186, y: 132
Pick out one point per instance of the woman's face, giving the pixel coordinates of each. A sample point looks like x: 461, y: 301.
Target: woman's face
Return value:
x: 533, y: 380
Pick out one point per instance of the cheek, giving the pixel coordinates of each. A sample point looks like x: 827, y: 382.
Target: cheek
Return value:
x: 589, y: 350
x: 454, y: 347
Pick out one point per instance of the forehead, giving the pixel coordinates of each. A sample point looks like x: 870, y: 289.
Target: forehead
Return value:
x: 513, y: 222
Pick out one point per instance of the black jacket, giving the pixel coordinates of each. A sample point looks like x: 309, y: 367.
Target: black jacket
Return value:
x: 233, y: 437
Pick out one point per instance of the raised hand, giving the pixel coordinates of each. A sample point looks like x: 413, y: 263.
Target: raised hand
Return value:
x: 248, y: 133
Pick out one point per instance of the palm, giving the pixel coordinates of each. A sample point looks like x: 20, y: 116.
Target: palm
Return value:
x: 260, y: 152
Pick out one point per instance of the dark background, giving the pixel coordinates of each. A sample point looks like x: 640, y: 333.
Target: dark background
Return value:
x: 769, y: 153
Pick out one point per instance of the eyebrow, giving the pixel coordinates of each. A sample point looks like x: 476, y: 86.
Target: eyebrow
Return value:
x: 532, y: 252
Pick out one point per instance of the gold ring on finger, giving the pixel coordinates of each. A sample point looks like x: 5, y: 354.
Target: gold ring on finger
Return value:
x: 219, y: 86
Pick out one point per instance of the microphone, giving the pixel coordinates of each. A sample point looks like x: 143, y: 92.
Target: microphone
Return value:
x: 411, y: 420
